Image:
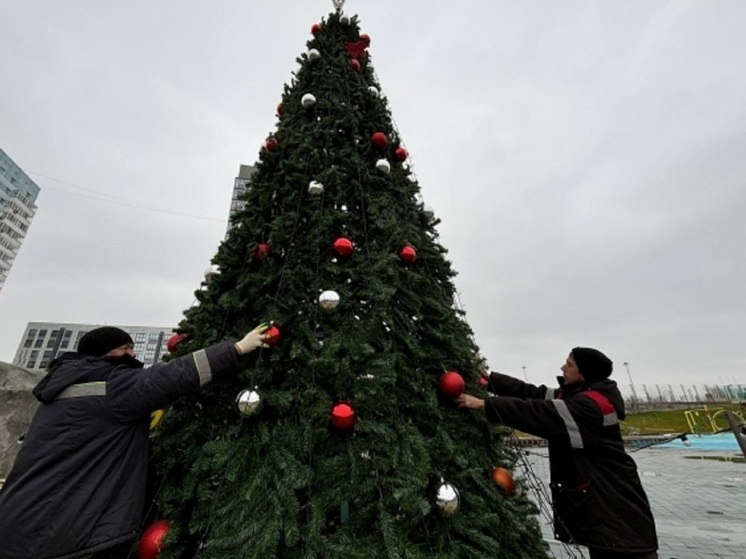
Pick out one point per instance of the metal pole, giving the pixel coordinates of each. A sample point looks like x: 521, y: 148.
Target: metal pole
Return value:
x: 632, y: 384
x: 524, y: 373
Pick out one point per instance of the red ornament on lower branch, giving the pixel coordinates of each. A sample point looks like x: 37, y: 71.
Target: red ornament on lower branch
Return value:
x: 452, y: 384
x: 343, y: 247
x: 343, y: 417
x: 150, y: 544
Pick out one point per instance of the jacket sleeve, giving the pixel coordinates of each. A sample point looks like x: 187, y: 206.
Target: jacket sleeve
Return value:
x: 575, y: 422
x: 503, y: 385
x: 133, y: 394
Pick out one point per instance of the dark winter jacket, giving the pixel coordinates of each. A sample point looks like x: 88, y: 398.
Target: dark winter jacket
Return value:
x: 598, y: 498
x: 78, y: 484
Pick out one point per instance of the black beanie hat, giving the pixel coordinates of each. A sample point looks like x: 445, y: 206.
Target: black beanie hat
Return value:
x: 100, y: 341
x: 592, y: 364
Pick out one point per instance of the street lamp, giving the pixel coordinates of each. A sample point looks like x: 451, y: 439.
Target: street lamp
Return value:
x: 632, y: 384
x: 524, y: 373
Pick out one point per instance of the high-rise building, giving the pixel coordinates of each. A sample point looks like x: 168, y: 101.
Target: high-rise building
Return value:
x: 17, y: 208
x: 43, y: 341
x: 240, y: 186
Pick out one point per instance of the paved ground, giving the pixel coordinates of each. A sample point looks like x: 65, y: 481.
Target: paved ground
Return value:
x: 699, y: 505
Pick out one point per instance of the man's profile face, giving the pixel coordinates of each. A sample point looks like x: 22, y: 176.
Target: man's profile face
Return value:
x: 122, y: 350
x: 570, y: 371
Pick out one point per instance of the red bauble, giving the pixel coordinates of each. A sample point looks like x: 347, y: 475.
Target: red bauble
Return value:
x: 365, y: 38
x: 379, y: 140
x: 354, y: 64
x: 408, y: 254
x: 174, y: 341
x: 400, y: 154
x: 149, y: 546
x: 452, y: 384
x: 343, y: 247
x: 343, y: 417
x: 504, y: 480
x: 315, y: 28
x: 261, y: 251
x: 271, y: 144
x: 272, y: 336
x: 482, y: 381
x: 280, y: 108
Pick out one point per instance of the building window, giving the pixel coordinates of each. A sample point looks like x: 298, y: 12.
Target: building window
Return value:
x: 28, y: 343
x: 42, y: 333
x: 39, y: 342
x: 140, y: 337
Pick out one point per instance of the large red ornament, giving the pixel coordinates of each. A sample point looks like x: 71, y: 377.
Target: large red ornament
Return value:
x: 343, y: 247
x: 400, y: 154
x: 354, y: 64
x: 272, y: 336
x: 379, y: 140
x: 261, y: 251
x: 149, y: 546
x: 174, y: 341
x: 343, y: 417
x: 316, y: 28
x: 452, y: 384
x: 365, y: 38
x: 408, y: 254
x: 504, y: 480
x: 271, y: 144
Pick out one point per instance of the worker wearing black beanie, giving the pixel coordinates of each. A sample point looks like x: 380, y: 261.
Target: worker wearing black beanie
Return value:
x: 101, y: 341
x: 592, y: 364
x: 597, y: 495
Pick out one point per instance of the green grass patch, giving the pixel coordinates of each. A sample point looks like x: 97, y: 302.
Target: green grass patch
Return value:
x: 674, y: 421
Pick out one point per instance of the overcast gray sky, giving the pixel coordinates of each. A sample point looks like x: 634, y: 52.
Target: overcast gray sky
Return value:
x: 587, y: 160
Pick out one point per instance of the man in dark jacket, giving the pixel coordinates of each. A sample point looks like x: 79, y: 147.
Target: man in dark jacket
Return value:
x: 598, y: 499
x: 77, y: 487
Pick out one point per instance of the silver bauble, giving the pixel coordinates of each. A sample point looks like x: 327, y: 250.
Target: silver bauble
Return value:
x: 313, y: 54
x: 329, y: 301
x: 373, y: 91
x: 315, y: 188
x: 344, y: 19
x: 429, y: 212
x: 308, y: 100
x: 249, y: 402
x: 448, y: 498
x: 383, y: 165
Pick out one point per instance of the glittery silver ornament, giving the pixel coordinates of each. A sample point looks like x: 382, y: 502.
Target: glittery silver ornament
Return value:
x: 329, y: 301
x: 448, y: 498
x: 249, y: 402
x: 313, y: 54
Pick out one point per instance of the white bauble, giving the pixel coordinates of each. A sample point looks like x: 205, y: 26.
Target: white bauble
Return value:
x: 373, y: 91
x: 448, y: 498
x: 308, y: 100
x: 429, y: 212
x: 329, y: 301
x: 344, y: 19
x: 383, y: 165
x: 315, y: 188
x: 211, y: 272
x: 313, y: 54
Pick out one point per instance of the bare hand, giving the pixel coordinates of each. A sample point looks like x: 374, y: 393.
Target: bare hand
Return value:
x: 253, y: 340
x: 471, y: 402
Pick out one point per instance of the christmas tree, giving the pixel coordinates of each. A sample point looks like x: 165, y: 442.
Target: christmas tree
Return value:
x: 342, y: 439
